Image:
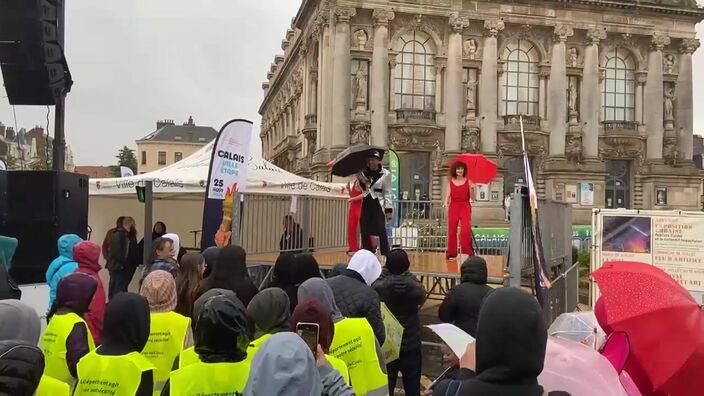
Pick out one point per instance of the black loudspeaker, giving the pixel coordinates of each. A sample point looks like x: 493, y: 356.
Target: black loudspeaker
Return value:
x: 33, y: 65
x: 42, y: 206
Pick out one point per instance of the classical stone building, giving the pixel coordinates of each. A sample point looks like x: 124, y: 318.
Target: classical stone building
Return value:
x: 604, y: 88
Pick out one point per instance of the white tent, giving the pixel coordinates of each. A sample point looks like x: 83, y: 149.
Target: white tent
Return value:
x: 190, y: 175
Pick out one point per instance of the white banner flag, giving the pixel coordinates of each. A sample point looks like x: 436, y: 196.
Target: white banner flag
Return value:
x: 228, y: 164
x: 126, y: 172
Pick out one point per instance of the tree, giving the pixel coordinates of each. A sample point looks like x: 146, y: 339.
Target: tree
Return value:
x: 125, y: 157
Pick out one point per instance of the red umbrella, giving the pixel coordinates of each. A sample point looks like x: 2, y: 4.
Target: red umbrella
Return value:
x: 664, y: 324
x: 479, y: 168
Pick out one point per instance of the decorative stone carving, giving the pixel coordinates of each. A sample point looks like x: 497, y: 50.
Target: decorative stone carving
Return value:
x: 360, y: 39
x: 471, y: 88
x: 458, y: 23
x: 493, y: 26
x: 382, y: 17
x: 345, y: 14
x: 417, y: 22
x: 562, y: 32
x: 573, y: 148
x: 688, y: 46
x: 413, y: 137
x: 437, y: 155
x: 572, y: 57
x: 595, y: 35
x: 670, y: 151
x: 668, y: 108
x: 572, y: 97
x: 471, y: 141
x: 360, y: 89
x: 621, y: 147
x: 360, y: 133
x: 469, y: 48
x: 668, y: 63
x: 659, y: 41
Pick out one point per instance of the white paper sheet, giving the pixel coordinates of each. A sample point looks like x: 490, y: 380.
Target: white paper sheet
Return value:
x: 453, y: 336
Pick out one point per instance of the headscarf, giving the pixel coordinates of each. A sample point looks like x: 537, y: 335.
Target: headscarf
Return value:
x: 397, y: 262
x: 474, y: 270
x: 366, y: 265
x: 126, y: 325
x: 199, y: 304
x: 175, y: 244
x: 8, y: 246
x: 283, y: 365
x: 283, y: 271
x: 313, y: 311
x: 159, y: 288
x: 155, y: 233
x: 210, y: 255
x: 270, y: 310
x: 318, y: 289
x: 231, y: 273
x: 75, y: 293
x: 511, y: 341
x: 305, y: 267
x: 223, y: 331
x: 18, y: 321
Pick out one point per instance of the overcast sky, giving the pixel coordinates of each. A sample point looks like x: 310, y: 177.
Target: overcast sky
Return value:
x: 136, y: 61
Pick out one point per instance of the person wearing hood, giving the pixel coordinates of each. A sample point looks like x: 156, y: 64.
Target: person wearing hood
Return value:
x: 462, y: 304
x: 403, y: 294
x: 231, y: 273
x: 21, y: 361
x: 510, y: 349
x: 169, y: 332
x: 223, y: 332
x: 8, y: 286
x: 67, y: 337
x: 189, y: 355
x: 177, y: 251
x: 270, y: 311
x: 354, y: 294
x: 161, y: 258
x: 210, y: 255
x: 62, y: 265
x: 313, y: 311
x: 117, y: 367
x: 87, y: 255
x: 286, y: 366
x: 353, y: 341
x: 303, y: 267
x: 158, y: 231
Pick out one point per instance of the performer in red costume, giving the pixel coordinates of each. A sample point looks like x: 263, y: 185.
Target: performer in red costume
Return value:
x: 353, y: 214
x: 458, y: 201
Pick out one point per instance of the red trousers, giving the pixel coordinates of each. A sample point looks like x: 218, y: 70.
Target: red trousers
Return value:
x: 459, y: 212
x: 353, y: 214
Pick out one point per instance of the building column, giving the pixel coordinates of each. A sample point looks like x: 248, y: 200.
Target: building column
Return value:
x: 640, y: 83
x: 488, y: 86
x: 654, y: 97
x: 684, y: 115
x: 324, y: 65
x: 379, y: 99
x: 341, y: 78
x: 557, y: 92
x: 454, y: 104
x: 590, y: 99
x: 542, y: 93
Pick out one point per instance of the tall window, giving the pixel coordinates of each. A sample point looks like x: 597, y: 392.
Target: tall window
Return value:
x: 144, y: 157
x: 162, y: 158
x: 414, y: 76
x: 619, y: 87
x: 178, y: 156
x: 520, y: 80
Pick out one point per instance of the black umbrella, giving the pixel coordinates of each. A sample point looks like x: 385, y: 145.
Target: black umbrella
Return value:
x: 354, y: 159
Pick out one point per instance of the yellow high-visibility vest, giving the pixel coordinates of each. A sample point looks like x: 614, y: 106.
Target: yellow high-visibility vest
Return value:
x: 340, y: 366
x: 189, y: 356
x: 167, y: 333
x: 111, y: 375
x: 255, y: 345
x: 210, y: 379
x: 53, y: 344
x: 354, y: 344
x: 49, y: 386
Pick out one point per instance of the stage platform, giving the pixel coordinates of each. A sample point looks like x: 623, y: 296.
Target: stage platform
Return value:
x: 436, y: 273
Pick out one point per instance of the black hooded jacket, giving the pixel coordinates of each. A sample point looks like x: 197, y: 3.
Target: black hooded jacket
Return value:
x: 463, y: 302
x: 126, y: 330
x: 230, y: 273
x: 21, y: 367
x: 511, y: 342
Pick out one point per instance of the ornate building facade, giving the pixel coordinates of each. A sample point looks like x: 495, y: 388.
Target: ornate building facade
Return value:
x: 604, y: 90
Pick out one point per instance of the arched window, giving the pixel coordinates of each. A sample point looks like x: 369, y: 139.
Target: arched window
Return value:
x: 619, y: 87
x: 520, y: 78
x: 414, y: 76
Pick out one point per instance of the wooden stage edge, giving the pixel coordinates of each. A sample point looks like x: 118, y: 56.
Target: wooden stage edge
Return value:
x: 428, y: 263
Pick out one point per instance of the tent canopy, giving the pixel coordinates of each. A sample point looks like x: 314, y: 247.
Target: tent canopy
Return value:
x: 190, y: 176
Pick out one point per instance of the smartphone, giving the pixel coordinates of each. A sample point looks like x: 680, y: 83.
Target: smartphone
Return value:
x: 309, y: 333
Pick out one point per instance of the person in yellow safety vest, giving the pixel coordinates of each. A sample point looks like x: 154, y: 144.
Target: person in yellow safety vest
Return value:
x: 285, y: 366
x: 49, y: 386
x: 313, y: 311
x: 117, y: 368
x: 223, y: 332
x: 189, y: 355
x: 67, y: 337
x: 169, y: 332
x: 270, y: 310
x: 21, y: 361
x: 354, y: 342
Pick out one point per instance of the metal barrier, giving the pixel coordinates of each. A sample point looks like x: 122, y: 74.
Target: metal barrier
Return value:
x: 563, y: 296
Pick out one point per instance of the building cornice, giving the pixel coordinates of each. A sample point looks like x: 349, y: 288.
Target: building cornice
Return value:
x: 640, y: 6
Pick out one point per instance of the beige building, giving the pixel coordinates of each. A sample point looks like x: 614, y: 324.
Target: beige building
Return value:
x: 604, y: 88
x: 171, y: 143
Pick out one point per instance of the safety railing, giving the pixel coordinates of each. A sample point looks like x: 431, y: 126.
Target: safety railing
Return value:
x: 563, y: 296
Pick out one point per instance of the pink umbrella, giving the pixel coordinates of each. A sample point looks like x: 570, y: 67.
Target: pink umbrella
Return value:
x: 579, y: 370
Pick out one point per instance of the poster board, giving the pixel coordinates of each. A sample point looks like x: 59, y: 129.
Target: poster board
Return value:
x: 671, y: 240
